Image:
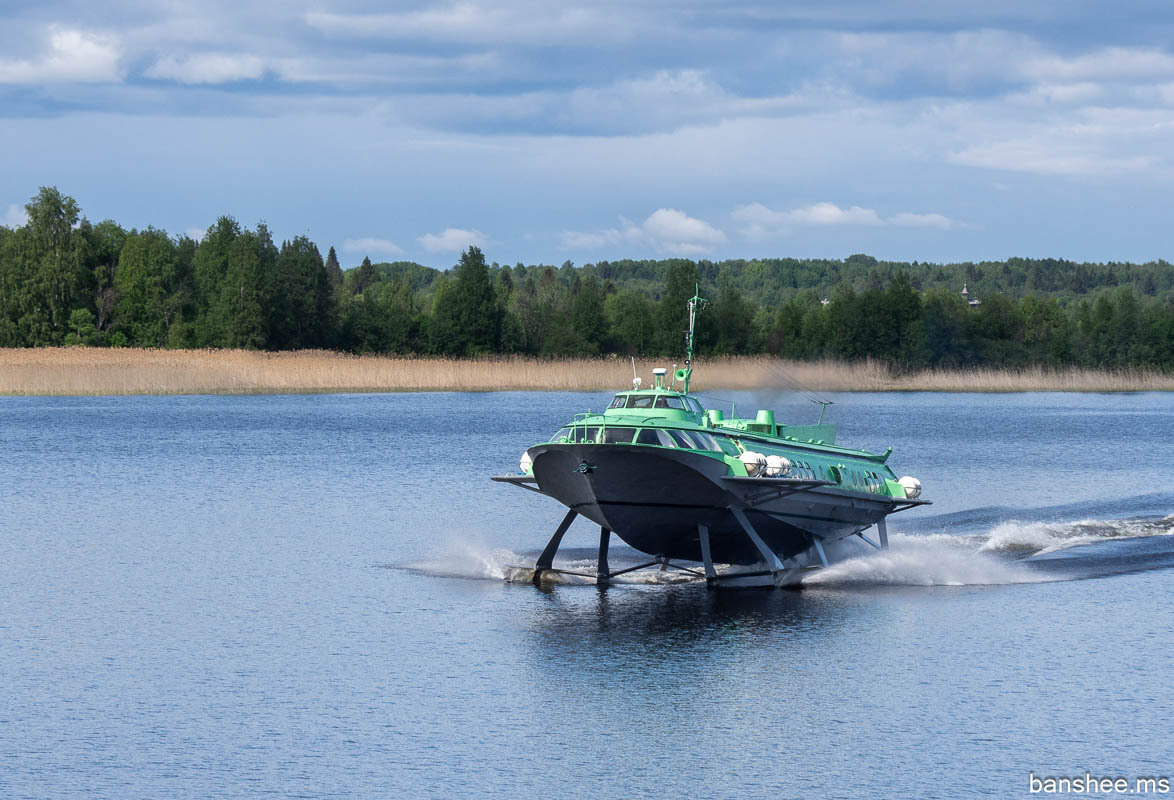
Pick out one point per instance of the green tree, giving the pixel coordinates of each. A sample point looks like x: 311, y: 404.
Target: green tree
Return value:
x: 1046, y: 331
x: 11, y: 286
x: 899, y: 331
x: 673, y: 313
x: 299, y: 298
x: 728, y: 322
x: 246, y: 290
x: 55, y: 256
x: 83, y: 331
x: 466, y: 317
x: 104, y: 247
x: 366, y: 276
x: 333, y: 269
x: 588, y: 319
x: 146, y: 266
x: 997, y: 329
x: 210, y: 271
x: 946, y: 319
x: 630, y: 322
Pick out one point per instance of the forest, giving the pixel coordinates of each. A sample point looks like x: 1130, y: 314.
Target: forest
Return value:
x: 66, y: 281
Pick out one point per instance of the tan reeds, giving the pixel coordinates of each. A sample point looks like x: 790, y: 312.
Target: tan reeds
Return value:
x: 98, y: 371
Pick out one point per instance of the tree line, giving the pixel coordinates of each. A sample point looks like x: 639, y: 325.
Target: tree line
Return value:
x: 65, y: 281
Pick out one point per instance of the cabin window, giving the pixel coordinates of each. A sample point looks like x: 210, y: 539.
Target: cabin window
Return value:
x: 693, y: 406
x: 706, y: 441
x: 618, y: 435
x: 640, y: 401
x: 619, y: 401
x: 668, y: 401
x: 683, y: 439
x: 726, y: 444
x: 562, y: 434
x: 654, y: 436
x: 581, y: 433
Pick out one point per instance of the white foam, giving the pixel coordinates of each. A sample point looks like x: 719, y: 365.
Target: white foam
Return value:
x: 934, y: 560
x: 468, y: 560
x: 1040, y: 538
x: 1024, y: 538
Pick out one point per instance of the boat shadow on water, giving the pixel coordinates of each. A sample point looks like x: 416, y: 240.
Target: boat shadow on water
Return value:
x: 679, y: 617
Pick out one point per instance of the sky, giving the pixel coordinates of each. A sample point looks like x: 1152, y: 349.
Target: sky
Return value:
x: 550, y: 131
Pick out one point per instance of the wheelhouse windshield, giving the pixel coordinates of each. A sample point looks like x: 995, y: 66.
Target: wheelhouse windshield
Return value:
x: 618, y: 435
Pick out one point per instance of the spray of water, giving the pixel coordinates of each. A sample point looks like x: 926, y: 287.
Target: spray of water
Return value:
x: 934, y: 560
x: 1041, y: 538
x: 463, y: 559
x: 1001, y: 556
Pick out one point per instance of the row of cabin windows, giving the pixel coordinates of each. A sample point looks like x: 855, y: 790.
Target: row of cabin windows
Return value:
x: 867, y: 481
x: 717, y: 443
x: 656, y: 401
x: 662, y: 437
x: 801, y: 469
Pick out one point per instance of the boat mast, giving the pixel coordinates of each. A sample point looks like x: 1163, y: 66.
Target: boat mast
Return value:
x: 695, y: 302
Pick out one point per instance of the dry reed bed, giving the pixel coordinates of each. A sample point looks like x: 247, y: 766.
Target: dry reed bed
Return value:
x: 95, y: 371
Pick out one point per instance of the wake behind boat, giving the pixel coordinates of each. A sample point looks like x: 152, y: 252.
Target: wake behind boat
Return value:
x: 680, y: 482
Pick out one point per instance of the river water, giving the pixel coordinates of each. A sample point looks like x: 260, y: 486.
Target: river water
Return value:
x: 302, y: 596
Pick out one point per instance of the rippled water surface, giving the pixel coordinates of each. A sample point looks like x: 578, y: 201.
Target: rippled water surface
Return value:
x: 303, y: 596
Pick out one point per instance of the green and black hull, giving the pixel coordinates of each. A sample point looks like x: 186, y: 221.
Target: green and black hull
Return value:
x: 655, y: 499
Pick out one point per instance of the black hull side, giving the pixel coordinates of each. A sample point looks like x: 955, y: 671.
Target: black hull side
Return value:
x: 655, y: 498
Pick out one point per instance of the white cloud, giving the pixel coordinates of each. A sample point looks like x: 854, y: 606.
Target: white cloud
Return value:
x: 195, y: 233
x: 666, y: 229
x: 1060, y: 94
x: 15, y: 217
x: 831, y: 214
x: 367, y: 245
x: 494, y: 23
x: 593, y: 240
x: 665, y: 100
x: 907, y: 220
x: 71, y: 56
x: 207, y: 68
x: 1111, y: 63
x: 676, y: 231
x: 452, y: 240
x: 1047, y: 156
x: 957, y: 60
x: 759, y: 222
x: 1091, y: 141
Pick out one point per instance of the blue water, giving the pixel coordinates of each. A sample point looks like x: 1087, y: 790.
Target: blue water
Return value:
x: 303, y: 597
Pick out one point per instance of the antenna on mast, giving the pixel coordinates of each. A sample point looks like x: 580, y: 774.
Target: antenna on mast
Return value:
x: 695, y: 302
x: 635, y: 377
x: 823, y: 406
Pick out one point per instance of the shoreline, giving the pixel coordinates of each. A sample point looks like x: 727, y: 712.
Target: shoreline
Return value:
x: 83, y: 371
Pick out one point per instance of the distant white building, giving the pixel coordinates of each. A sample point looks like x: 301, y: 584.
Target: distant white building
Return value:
x: 966, y: 296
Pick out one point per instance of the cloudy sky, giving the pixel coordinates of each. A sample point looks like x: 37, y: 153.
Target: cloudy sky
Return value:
x: 549, y: 131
